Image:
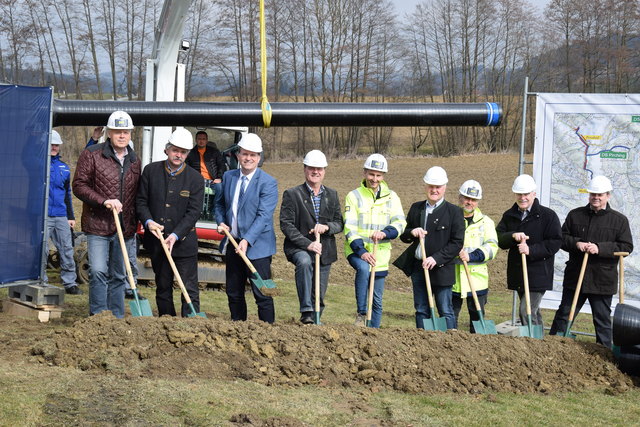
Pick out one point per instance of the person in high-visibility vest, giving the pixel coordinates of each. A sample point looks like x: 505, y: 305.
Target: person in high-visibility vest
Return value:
x: 480, y: 246
x: 373, y: 215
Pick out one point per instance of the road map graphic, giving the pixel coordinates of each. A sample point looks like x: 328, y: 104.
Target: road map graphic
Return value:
x: 577, y: 144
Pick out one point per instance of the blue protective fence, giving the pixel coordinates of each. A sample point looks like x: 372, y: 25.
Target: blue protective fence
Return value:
x: 25, y: 122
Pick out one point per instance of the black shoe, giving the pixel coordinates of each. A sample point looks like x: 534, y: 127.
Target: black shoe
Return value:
x: 307, y: 318
x: 73, y: 290
x: 128, y: 294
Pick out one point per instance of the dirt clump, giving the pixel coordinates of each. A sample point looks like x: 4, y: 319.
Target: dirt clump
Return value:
x: 289, y: 354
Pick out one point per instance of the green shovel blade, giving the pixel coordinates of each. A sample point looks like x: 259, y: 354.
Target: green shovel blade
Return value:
x: 567, y: 332
x: 435, y: 323
x: 194, y: 313
x: 531, y: 330
x: 139, y: 307
x: 262, y: 283
x: 484, y: 327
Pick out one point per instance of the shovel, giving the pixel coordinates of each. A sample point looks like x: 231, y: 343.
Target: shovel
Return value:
x: 434, y: 323
x: 533, y: 331
x: 187, y: 299
x: 372, y: 279
x: 138, y: 307
x: 615, y: 348
x: 317, y: 284
x: 483, y: 327
x: 567, y: 332
x: 266, y: 286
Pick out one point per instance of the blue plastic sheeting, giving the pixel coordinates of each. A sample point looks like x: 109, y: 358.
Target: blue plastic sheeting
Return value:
x: 25, y: 121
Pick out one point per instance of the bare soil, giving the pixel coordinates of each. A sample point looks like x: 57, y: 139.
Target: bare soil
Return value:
x: 290, y: 354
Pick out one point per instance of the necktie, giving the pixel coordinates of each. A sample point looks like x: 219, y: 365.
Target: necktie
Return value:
x: 243, y: 184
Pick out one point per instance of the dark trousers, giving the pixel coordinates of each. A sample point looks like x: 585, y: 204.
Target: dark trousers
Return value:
x: 471, y: 306
x: 600, y: 311
x: 237, y: 275
x: 188, y: 269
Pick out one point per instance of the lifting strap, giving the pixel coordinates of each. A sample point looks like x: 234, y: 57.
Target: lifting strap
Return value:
x: 264, y: 101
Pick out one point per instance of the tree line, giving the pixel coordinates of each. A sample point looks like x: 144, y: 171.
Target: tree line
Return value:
x: 337, y: 51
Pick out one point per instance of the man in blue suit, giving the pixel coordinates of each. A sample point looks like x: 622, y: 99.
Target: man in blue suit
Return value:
x: 245, y: 208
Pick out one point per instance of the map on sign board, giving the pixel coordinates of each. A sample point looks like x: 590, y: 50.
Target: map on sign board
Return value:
x: 578, y: 137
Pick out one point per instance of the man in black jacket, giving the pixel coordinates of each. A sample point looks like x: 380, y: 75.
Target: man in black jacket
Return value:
x: 441, y: 225
x: 208, y: 161
x: 600, y: 231
x: 170, y: 199
x: 534, y: 230
x: 308, y: 209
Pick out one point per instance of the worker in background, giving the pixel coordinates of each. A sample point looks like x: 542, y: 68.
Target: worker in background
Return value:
x: 534, y: 230
x: 245, y: 209
x: 60, y: 218
x: 372, y: 215
x: 132, y: 247
x: 441, y: 226
x: 480, y: 246
x: 169, y: 200
x: 208, y: 161
x: 308, y: 209
x: 600, y: 231
x: 106, y: 178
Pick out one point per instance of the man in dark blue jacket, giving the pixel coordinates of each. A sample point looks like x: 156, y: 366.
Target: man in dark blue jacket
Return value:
x: 60, y: 218
x: 534, y: 230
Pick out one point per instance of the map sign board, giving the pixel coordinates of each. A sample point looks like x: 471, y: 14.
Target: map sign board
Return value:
x: 577, y: 137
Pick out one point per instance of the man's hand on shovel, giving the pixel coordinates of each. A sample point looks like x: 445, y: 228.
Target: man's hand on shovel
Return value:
x: 113, y: 204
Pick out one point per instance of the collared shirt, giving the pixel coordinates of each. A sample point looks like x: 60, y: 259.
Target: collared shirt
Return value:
x: 315, y: 199
x: 234, y: 204
x: 524, y: 214
x: 172, y: 172
x: 429, y: 208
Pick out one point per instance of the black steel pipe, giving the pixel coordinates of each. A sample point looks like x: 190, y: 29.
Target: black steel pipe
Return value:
x: 95, y: 113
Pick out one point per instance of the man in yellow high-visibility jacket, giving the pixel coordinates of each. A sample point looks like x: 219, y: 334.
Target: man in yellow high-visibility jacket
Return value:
x: 373, y: 215
x: 480, y: 246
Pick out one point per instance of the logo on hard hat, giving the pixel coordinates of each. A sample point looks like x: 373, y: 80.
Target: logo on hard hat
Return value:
x: 473, y: 192
x: 121, y: 123
x: 377, y: 164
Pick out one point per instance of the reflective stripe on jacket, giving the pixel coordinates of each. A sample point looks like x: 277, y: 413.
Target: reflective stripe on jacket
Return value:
x: 364, y: 214
x: 480, y: 234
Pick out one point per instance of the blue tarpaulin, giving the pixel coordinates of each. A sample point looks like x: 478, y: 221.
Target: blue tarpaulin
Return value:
x: 25, y: 122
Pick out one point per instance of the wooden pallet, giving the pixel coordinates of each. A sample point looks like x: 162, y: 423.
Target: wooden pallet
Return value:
x: 43, y: 313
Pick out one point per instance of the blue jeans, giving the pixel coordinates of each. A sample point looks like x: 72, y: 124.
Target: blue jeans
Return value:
x: 305, y: 267
x: 107, y: 275
x: 362, y: 289
x: 60, y: 235
x: 442, y: 296
x: 132, y: 251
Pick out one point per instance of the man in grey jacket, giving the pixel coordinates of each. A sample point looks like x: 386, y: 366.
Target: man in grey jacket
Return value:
x: 308, y: 209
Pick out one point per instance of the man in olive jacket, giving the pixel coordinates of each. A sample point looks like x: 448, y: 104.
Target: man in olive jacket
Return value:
x: 600, y: 231
x: 441, y: 225
x: 534, y: 230
x: 307, y: 209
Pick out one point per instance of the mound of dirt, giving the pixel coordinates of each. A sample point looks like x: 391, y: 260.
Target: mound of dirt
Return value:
x: 290, y: 354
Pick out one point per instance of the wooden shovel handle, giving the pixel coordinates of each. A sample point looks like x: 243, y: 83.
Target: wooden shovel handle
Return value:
x: 427, y: 279
x: 525, y: 278
x: 317, y: 277
x: 241, y: 253
x: 578, y: 286
x: 473, y: 288
x: 372, y: 279
x: 621, y: 275
x: 158, y: 234
x: 123, y: 249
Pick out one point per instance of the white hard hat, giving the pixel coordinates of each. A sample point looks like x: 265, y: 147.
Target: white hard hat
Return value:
x: 120, y: 120
x: 55, y: 138
x: 435, y: 176
x: 524, y: 184
x: 251, y: 142
x: 315, y: 159
x: 181, y: 138
x: 471, y: 189
x: 599, y: 184
x: 376, y: 162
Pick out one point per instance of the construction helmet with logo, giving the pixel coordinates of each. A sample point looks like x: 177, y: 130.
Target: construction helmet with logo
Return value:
x: 599, y: 184
x: 120, y: 120
x: 251, y: 142
x: 435, y: 176
x: 55, y: 138
x: 524, y: 184
x: 376, y: 162
x: 471, y: 189
x: 315, y: 159
x: 181, y: 138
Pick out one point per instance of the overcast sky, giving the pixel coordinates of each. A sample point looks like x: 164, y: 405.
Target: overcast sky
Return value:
x: 404, y: 6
